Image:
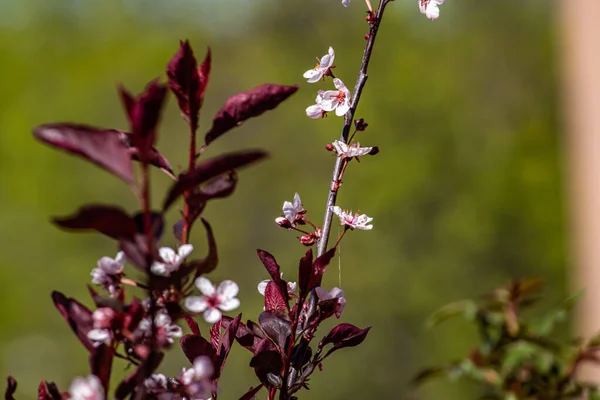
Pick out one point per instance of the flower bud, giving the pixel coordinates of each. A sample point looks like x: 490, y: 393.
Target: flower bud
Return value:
x: 360, y: 124
x: 329, y: 147
x: 308, y: 239
x: 283, y: 222
x: 374, y: 150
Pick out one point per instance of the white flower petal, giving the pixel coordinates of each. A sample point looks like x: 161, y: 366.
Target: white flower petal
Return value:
x: 342, y: 109
x: 339, y: 85
x: 336, y: 292
x: 322, y: 294
x: 337, y: 210
x: 212, y: 315
x: 185, y: 250
x: 346, y: 3
x: 229, y: 304
x: 205, y: 286
x: 315, y: 111
x: 167, y: 253
x: 158, y: 268
x: 203, y: 367
x: 262, y: 286
x: 228, y: 289
x: 196, y: 303
x: 328, y: 104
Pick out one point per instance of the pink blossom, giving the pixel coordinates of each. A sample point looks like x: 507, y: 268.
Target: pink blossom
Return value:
x: 88, y: 388
x: 355, y: 221
x: 338, y: 100
x: 213, y: 299
x: 430, y: 8
x: 322, y: 68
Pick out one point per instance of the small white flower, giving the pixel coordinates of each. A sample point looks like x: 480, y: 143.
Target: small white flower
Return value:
x: 325, y: 63
x: 353, y: 221
x: 354, y: 150
x: 213, y: 299
x: 171, y: 260
x: 291, y: 210
x: 430, y: 8
x: 163, y: 325
x: 156, y: 381
x: 89, y: 388
x: 335, y: 293
x: 102, y: 320
x: 262, y: 286
x: 346, y: 3
x: 338, y: 100
x: 203, y: 369
x: 108, y: 270
x: 316, y: 111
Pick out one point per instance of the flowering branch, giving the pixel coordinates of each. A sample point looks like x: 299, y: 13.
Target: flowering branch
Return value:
x: 340, y: 161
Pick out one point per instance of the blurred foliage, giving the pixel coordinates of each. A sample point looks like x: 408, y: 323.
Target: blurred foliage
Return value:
x: 466, y: 191
x: 518, y: 357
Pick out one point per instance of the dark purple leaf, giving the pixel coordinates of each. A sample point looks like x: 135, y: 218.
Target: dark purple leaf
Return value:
x: 275, y: 299
x: 144, y: 114
x: 304, y: 274
x: 11, y: 388
x: 215, y: 335
x: 134, y: 314
x: 133, y: 380
x: 208, y: 170
x: 250, y: 394
x: 265, y: 362
x: 193, y: 325
x: 77, y: 315
x: 226, y: 342
x: 270, y: 264
x: 194, y: 346
x: 188, y: 82
x: 319, y: 267
x: 156, y: 159
x: 344, y: 335
x: 219, y: 187
x: 101, y: 147
x: 156, y: 224
x: 277, y: 327
x: 245, y: 105
x: 109, y: 220
x: 101, y: 364
x: 48, y: 391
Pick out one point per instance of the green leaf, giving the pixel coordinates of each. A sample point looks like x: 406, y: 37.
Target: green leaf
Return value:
x: 467, y: 308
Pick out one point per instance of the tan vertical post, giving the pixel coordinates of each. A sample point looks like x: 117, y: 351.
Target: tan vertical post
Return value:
x: 580, y: 55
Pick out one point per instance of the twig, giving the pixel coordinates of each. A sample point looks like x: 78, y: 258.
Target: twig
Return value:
x: 338, y: 168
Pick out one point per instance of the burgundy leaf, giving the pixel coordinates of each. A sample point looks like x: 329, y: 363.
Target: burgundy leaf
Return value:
x: 134, y: 314
x: 215, y: 335
x: 48, y: 391
x: 188, y: 82
x: 250, y: 394
x: 270, y: 264
x: 128, y: 101
x: 208, y: 170
x: 344, y: 335
x: 275, y: 299
x: 194, y: 346
x: 226, y: 342
x: 204, y: 73
x: 133, y: 380
x: 77, y: 315
x: 193, y: 325
x: 156, y: 224
x: 101, y: 364
x: 277, y: 327
x: 144, y: 115
x: 109, y: 220
x: 101, y: 147
x: 11, y: 388
x: 266, y: 362
x: 304, y: 274
x: 319, y: 267
x: 219, y: 187
x: 156, y: 159
x: 245, y: 105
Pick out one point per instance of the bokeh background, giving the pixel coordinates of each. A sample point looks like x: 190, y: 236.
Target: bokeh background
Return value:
x: 466, y: 193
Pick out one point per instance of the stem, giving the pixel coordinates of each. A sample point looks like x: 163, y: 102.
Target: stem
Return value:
x: 185, y: 234
x: 341, y: 236
x: 337, y: 169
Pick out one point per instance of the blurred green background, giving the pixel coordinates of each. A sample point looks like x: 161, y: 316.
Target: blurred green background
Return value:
x: 465, y: 193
